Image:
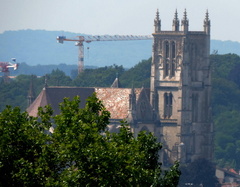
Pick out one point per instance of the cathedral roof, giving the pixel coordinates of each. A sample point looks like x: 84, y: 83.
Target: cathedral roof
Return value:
x: 54, y: 95
x: 116, y: 100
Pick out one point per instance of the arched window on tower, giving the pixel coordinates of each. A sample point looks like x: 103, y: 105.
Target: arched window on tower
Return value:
x: 166, y: 69
x: 167, y: 49
x: 173, y: 55
x: 173, y: 68
x: 168, y: 97
x: 173, y: 50
x: 165, y: 104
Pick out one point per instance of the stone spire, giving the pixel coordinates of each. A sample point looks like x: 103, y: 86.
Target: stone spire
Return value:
x: 185, y: 22
x: 31, y: 94
x: 116, y: 83
x: 207, y: 23
x: 45, y: 81
x: 157, y: 23
x: 175, y: 25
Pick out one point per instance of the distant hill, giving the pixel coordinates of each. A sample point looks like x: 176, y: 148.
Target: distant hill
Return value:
x: 225, y: 47
x: 40, y: 47
x: 35, y: 47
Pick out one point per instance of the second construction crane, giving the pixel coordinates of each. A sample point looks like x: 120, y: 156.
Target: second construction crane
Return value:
x: 81, y: 39
x: 4, y: 68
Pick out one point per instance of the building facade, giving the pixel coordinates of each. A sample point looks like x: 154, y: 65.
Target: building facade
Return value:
x: 180, y: 90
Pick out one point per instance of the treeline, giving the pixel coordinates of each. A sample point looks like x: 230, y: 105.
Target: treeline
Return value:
x: 41, y: 70
x: 226, y: 109
x: 225, y: 95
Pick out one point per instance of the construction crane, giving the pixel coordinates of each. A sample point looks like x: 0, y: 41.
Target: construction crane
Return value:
x: 81, y: 39
x: 4, y: 67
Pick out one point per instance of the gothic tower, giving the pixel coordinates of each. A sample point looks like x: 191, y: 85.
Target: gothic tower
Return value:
x: 181, y: 90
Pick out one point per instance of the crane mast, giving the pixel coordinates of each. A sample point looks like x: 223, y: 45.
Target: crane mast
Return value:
x: 80, y: 56
x: 81, y: 39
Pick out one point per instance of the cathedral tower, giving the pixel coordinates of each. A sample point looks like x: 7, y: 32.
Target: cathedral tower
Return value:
x: 181, y: 90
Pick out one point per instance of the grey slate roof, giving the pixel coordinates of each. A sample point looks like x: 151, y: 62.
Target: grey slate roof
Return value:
x: 55, y: 95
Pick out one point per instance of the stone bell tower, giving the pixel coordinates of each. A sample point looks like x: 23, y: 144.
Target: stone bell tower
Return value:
x: 181, y: 90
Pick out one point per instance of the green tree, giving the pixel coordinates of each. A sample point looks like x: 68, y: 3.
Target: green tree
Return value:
x: 227, y: 139
x: 226, y: 108
x: 80, y: 152
x: 15, y: 92
x: 100, y: 77
x: 22, y: 144
x: 58, y: 78
x: 201, y: 172
x: 139, y: 75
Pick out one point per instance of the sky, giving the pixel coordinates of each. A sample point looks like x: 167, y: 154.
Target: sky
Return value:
x: 123, y: 17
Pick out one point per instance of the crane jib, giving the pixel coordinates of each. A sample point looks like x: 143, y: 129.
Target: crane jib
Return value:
x: 90, y: 38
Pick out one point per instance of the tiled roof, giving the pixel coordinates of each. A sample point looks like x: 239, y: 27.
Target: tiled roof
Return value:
x: 116, y: 100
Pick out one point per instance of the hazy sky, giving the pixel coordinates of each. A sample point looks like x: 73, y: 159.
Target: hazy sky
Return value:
x: 133, y: 17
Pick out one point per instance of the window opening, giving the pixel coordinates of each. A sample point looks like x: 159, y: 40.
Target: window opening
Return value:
x: 173, y: 50
x: 168, y: 97
x: 167, y: 49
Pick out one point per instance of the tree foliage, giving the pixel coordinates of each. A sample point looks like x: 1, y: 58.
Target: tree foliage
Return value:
x: 58, y: 78
x: 16, y: 91
x: 138, y: 76
x: 100, y: 77
x: 201, y: 172
x: 22, y: 147
x: 80, y: 152
x: 226, y: 109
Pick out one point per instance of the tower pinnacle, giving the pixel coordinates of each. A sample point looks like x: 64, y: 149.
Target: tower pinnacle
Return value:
x: 175, y: 25
x: 207, y: 23
x: 176, y: 15
x: 207, y: 16
x: 185, y: 22
x: 157, y: 23
x: 185, y: 15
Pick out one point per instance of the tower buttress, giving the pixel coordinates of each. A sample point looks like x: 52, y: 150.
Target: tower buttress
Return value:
x: 207, y: 23
x: 157, y: 23
x: 175, y: 26
x: 185, y: 22
x: 132, y: 106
